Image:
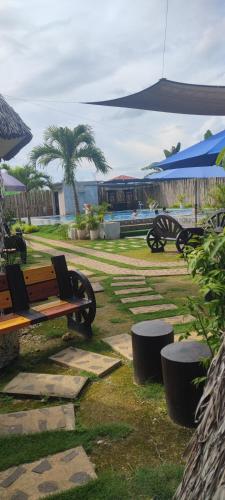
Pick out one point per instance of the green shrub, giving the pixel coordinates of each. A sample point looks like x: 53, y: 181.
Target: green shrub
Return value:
x: 80, y: 222
x: 25, y: 228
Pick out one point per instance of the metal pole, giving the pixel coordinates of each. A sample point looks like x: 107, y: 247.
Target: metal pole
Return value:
x: 2, y: 228
x: 196, y: 202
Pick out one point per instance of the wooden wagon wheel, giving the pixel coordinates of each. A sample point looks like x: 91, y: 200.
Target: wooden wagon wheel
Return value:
x: 189, y: 236
x: 217, y: 221
x: 82, y: 289
x: 154, y: 243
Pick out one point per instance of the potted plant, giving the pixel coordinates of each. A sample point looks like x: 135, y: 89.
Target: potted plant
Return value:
x: 93, y: 226
x: 81, y: 227
x: 72, y: 231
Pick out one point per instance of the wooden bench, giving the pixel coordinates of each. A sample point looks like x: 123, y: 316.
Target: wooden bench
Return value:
x: 40, y: 294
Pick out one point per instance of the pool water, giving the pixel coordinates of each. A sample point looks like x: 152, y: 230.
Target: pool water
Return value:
x: 112, y: 216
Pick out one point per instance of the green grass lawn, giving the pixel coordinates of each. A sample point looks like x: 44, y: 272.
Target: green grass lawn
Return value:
x: 125, y: 428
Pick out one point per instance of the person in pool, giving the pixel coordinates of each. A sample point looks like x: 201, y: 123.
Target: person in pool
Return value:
x: 134, y: 214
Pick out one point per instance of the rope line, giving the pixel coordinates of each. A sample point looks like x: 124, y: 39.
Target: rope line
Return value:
x: 165, y: 33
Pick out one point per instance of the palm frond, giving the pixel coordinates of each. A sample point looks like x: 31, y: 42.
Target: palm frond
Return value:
x: 95, y: 155
x: 44, y: 154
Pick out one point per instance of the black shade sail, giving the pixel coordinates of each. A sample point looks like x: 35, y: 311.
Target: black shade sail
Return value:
x: 174, y: 97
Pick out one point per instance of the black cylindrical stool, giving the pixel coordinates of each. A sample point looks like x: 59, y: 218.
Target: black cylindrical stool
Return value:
x: 181, y: 364
x: 148, y: 338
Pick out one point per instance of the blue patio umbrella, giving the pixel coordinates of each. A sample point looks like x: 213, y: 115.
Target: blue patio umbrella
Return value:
x: 200, y: 154
x: 202, y: 172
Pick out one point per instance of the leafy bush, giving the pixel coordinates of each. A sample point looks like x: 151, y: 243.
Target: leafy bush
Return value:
x: 92, y: 222
x: 25, y: 228
x: 217, y: 196
x: 80, y: 221
x: 206, y: 264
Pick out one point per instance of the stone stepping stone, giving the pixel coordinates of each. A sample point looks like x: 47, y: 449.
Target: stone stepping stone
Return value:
x: 43, y: 384
x: 152, y: 309
x: 39, y: 420
x: 128, y: 278
x: 179, y: 320
x: 141, y: 298
x: 128, y: 283
x: 97, y: 287
x: 86, y: 360
x: 121, y: 344
x: 129, y: 291
x: 52, y: 474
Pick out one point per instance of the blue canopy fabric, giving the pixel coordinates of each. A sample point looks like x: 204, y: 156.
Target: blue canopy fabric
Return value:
x: 200, y: 154
x: 206, y: 172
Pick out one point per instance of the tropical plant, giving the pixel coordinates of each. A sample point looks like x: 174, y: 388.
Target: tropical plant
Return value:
x: 181, y: 199
x: 207, y: 134
x: 24, y: 228
x: 80, y: 221
x: 92, y: 222
x: 152, y: 203
x: 206, y: 264
x: 70, y: 147
x: 32, y: 179
x: 101, y: 210
x: 172, y: 151
x: 216, y: 196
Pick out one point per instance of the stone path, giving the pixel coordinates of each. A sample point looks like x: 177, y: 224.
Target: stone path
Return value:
x: 97, y: 287
x: 39, y: 420
x: 141, y: 298
x: 128, y: 283
x: 42, y: 384
x: 102, y: 266
x: 128, y: 278
x: 121, y: 344
x: 129, y: 291
x: 152, y: 309
x: 179, y: 320
x: 52, y: 474
x: 86, y: 360
x: 103, y: 255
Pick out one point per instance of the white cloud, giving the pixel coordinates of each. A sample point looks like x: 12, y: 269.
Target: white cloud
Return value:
x: 72, y: 51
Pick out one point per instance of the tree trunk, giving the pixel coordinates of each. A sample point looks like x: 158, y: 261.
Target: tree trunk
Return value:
x: 204, y: 476
x: 27, y: 208
x: 76, y: 200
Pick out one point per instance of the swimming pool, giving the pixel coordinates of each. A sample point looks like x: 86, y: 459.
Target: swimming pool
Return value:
x: 112, y: 216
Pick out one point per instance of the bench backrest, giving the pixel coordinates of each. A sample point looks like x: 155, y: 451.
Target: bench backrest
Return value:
x: 41, y: 283
x: 166, y: 226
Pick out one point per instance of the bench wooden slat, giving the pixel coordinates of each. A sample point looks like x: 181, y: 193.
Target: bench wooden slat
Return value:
x: 39, y: 274
x: 5, y: 300
x: 3, y: 282
x: 12, y: 322
x: 42, y: 312
x: 40, y: 291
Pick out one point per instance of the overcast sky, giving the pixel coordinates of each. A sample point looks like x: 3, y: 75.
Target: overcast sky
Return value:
x: 57, y: 53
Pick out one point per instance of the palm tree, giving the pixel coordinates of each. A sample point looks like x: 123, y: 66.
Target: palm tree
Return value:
x: 70, y: 147
x: 172, y: 151
x: 32, y: 179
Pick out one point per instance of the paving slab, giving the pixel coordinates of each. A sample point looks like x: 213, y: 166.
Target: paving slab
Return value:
x: 86, y: 360
x: 129, y: 291
x: 39, y: 420
x: 97, y: 287
x: 152, y: 309
x: 128, y: 283
x: 121, y: 344
x: 128, y: 278
x: 141, y: 298
x: 43, y: 384
x: 179, y: 320
x: 52, y: 474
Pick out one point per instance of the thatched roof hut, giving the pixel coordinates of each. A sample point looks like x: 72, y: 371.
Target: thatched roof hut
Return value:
x: 14, y: 134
